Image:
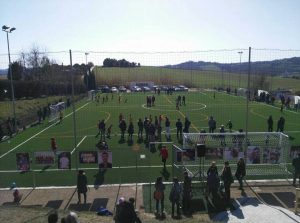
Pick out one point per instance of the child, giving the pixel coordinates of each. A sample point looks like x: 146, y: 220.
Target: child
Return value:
x: 53, y: 145
x: 17, y: 195
x: 108, y: 132
x: 61, y: 115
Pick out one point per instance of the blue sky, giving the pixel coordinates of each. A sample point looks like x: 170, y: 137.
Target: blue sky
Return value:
x: 153, y: 25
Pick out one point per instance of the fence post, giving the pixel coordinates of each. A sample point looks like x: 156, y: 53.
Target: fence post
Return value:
x: 247, y: 99
x: 297, y: 201
x: 73, y: 108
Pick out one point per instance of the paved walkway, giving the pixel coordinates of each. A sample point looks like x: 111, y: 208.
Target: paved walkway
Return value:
x: 258, y: 201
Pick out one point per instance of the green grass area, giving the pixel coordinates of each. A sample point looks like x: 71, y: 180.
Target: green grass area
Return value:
x: 193, y: 78
x: 26, y: 107
x: 200, y: 105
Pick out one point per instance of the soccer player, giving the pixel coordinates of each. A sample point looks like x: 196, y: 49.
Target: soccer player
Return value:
x: 168, y: 130
x: 183, y: 100
x: 187, y: 124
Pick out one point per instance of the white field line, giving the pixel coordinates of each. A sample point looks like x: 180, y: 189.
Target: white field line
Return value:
x: 130, y: 184
x: 91, y: 168
x: 259, y: 103
x: 39, y: 132
x: 78, y: 145
x: 115, y: 167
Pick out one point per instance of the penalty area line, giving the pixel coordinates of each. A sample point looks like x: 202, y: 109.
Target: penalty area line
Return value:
x: 78, y: 144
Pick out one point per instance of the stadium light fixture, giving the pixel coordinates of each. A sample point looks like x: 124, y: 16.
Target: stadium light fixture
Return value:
x: 7, y: 29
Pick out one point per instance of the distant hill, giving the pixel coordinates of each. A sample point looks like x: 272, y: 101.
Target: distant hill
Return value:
x: 288, y: 66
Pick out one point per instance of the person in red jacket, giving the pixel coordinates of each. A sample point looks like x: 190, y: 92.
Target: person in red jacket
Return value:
x: 164, y: 155
x: 53, y: 145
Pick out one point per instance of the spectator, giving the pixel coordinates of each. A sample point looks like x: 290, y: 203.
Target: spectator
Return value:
x: 123, y: 127
x: 108, y: 132
x: 159, y: 196
x: 125, y: 212
x: 187, y: 124
x: 179, y: 129
x: 141, y: 126
x: 280, y: 124
x: 187, y: 193
x: 227, y: 178
x: 168, y: 130
x: 296, y: 165
x: 174, y: 197
x: 117, y: 216
x: 130, y: 131
x: 17, y: 196
x: 212, y: 124
x: 183, y: 100
x: 229, y: 125
x: 71, y: 218
x: 270, y: 124
x: 40, y: 115
x: 53, y: 217
x: 213, y: 181
x: 164, y: 155
x: 53, y: 145
x: 240, y: 172
x: 81, y: 185
x: 101, y: 129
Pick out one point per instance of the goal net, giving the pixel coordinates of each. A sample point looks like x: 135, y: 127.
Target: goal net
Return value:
x: 91, y: 95
x: 55, y: 110
x: 265, y: 153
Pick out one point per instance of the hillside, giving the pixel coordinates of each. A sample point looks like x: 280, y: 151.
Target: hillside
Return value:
x: 287, y: 66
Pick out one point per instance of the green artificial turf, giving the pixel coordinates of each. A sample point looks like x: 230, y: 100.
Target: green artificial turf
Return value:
x: 199, y: 106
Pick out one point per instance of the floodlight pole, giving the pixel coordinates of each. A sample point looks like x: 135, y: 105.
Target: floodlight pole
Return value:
x: 9, y: 30
x: 240, y: 53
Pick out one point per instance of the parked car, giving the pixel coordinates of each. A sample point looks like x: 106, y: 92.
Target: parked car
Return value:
x: 182, y: 88
x: 122, y: 89
x: 145, y: 88
x: 104, y: 89
x: 155, y: 87
x: 164, y: 88
x: 136, y: 89
x: 114, y: 90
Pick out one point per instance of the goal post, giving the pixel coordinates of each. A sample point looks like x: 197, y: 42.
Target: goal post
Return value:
x: 55, y: 110
x: 266, y: 153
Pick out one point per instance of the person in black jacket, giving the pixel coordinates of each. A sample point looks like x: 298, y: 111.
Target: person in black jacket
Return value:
x: 141, y: 127
x: 240, y: 172
x: 227, y: 178
x: 130, y: 131
x: 81, y: 185
x: 179, y: 128
x: 122, y: 127
x: 296, y: 165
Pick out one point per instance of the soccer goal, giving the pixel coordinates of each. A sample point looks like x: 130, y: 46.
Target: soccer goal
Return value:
x: 265, y: 153
x: 55, y: 110
x: 91, y: 95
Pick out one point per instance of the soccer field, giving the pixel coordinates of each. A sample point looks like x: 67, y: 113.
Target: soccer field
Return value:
x: 126, y: 156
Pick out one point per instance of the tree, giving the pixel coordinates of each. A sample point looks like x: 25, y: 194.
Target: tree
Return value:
x: 17, y: 70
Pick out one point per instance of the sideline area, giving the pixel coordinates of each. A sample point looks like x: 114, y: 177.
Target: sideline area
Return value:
x: 261, y: 201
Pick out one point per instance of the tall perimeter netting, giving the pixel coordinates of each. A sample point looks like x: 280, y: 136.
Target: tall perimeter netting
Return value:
x: 265, y: 153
